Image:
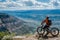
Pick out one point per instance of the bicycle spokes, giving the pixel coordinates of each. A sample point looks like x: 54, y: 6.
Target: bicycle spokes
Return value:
x: 54, y: 32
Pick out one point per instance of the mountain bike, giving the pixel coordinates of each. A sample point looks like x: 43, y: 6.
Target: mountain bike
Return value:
x: 53, y: 31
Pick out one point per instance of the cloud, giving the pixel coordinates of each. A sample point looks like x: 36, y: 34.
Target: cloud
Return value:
x: 56, y: 4
x: 30, y: 4
x: 45, y: 1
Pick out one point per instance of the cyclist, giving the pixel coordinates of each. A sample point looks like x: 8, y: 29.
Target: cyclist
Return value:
x: 47, y: 24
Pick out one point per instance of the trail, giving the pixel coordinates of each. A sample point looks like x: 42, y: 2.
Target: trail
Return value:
x: 35, y: 37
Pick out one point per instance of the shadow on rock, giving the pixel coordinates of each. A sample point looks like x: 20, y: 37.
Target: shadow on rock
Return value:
x: 47, y: 37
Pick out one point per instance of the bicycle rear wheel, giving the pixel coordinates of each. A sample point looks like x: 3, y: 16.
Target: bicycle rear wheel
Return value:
x: 55, y: 31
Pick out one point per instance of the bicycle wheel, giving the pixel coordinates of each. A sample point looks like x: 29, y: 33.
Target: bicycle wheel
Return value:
x: 54, y: 31
x: 40, y: 31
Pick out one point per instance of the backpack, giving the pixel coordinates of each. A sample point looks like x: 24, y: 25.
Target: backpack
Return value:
x: 50, y: 22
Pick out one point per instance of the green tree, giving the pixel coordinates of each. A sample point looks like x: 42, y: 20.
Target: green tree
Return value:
x: 2, y: 34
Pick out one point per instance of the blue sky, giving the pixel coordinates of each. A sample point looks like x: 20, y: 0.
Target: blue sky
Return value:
x: 2, y: 0
x: 29, y: 4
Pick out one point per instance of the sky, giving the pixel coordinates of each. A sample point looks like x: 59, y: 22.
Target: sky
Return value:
x: 29, y: 4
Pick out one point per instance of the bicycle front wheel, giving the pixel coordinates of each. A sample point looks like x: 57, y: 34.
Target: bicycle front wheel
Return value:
x: 40, y: 31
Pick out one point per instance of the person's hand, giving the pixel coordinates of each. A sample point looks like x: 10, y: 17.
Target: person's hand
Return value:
x: 41, y: 25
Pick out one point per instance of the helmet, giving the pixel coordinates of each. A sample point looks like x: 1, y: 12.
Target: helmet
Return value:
x: 47, y: 17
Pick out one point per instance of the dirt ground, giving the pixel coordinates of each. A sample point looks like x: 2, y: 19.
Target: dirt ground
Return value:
x: 35, y: 37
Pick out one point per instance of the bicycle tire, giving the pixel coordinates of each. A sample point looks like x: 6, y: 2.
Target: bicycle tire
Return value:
x: 38, y: 31
x: 56, y: 30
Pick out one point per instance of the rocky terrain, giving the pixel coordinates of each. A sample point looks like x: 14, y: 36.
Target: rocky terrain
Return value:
x: 34, y: 37
x: 15, y: 25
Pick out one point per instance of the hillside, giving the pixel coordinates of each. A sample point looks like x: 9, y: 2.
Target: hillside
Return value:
x: 15, y: 25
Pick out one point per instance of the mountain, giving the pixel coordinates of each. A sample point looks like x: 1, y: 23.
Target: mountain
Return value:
x: 17, y: 26
x: 37, y: 15
x: 26, y: 21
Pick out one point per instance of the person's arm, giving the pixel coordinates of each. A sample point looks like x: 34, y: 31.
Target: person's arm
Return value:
x: 42, y: 22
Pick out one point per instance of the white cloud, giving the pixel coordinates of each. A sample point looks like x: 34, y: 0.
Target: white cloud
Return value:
x: 21, y: 4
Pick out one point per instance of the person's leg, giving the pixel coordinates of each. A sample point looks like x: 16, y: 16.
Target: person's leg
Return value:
x: 47, y: 29
x: 44, y: 27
